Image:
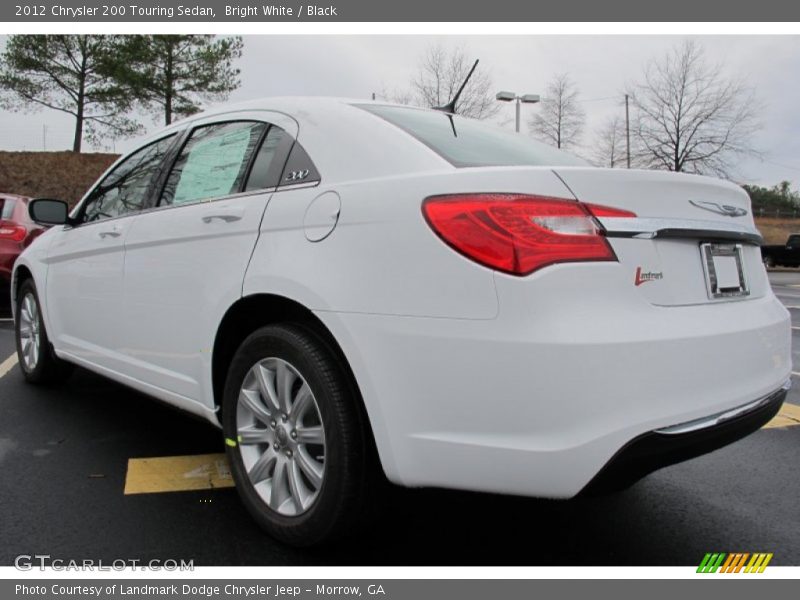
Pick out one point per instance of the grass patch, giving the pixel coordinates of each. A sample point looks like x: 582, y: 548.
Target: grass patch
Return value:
x: 775, y: 230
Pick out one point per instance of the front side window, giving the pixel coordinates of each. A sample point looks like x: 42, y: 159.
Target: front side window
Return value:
x: 124, y: 190
x: 213, y: 162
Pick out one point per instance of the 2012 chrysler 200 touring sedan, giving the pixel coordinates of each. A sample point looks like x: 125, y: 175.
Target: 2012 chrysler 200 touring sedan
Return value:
x: 351, y: 288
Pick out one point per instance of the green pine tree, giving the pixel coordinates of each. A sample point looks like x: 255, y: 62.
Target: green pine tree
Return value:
x: 173, y: 74
x: 70, y: 74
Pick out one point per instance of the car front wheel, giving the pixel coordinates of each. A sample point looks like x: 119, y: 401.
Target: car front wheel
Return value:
x: 297, y: 447
x: 36, y: 358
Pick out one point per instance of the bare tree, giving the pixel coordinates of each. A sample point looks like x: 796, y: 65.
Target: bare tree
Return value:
x: 560, y: 118
x: 441, y: 73
x: 689, y: 117
x: 396, y: 95
x: 609, y: 149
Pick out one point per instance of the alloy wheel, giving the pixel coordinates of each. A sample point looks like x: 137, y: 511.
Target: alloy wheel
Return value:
x: 281, y: 436
x: 29, y: 332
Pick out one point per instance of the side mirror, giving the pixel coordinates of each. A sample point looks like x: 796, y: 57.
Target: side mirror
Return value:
x: 47, y: 211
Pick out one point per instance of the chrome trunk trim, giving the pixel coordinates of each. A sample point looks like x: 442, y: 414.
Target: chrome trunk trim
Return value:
x: 650, y: 228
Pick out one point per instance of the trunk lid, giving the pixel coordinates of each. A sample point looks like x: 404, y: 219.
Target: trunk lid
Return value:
x: 693, y: 240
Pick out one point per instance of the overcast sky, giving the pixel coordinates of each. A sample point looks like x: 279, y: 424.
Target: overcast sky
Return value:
x: 356, y: 66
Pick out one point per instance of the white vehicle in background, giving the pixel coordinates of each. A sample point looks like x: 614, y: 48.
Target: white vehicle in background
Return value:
x: 348, y: 288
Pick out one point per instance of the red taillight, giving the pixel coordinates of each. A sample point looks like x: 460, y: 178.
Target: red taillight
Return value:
x: 516, y: 233
x: 598, y: 210
x: 12, y: 231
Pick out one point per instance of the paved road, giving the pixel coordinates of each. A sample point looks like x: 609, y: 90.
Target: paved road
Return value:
x: 64, y: 454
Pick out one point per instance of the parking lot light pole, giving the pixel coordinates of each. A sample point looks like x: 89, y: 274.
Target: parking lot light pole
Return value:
x: 510, y: 96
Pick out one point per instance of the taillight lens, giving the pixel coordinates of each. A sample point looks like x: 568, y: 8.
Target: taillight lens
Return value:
x: 518, y: 234
x: 12, y: 231
x: 598, y: 210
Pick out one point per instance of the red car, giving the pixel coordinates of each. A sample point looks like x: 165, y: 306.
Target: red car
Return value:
x: 17, y: 231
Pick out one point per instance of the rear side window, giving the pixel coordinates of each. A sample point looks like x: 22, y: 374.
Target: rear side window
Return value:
x: 299, y: 168
x: 268, y: 164
x: 6, y: 208
x: 125, y: 189
x: 470, y: 143
x: 213, y: 162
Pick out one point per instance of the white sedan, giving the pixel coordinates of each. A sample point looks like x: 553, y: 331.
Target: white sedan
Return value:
x: 353, y: 289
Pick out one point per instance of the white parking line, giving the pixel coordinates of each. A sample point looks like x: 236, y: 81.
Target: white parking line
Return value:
x: 795, y: 373
x: 8, y: 364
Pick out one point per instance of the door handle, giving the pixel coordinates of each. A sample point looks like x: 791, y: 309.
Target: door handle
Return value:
x: 227, y: 218
x: 105, y: 234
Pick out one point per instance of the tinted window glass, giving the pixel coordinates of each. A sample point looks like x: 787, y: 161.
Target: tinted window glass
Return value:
x: 299, y: 168
x: 470, y: 143
x: 212, y: 163
x: 6, y: 208
x: 266, y: 171
x: 124, y: 190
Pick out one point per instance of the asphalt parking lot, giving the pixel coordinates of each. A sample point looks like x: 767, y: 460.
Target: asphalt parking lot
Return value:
x: 64, y: 459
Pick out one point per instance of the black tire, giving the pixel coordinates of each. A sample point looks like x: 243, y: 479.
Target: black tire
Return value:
x: 48, y: 368
x: 349, y: 465
x: 769, y: 262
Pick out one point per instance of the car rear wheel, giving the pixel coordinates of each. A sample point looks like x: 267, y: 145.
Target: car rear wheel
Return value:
x: 297, y: 447
x: 769, y: 262
x: 35, y: 355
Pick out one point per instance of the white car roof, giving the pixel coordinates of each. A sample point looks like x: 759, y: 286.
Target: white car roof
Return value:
x: 345, y: 142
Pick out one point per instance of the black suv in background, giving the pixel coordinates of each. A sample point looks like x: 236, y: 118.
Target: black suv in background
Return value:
x: 787, y: 255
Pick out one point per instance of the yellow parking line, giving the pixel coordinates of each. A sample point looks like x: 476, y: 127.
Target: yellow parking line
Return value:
x: 789, y: 416
x: 8, y: 364
x: 177, y: 474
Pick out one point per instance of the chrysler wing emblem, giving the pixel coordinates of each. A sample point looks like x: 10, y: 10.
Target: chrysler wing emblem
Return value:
x: 722, y: 209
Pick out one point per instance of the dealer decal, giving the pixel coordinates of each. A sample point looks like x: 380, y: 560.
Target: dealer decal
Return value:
x: 646, y: 276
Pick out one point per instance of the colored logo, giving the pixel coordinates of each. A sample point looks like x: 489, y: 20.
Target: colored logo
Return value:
x: 645, y: 277
x: 735, y: 562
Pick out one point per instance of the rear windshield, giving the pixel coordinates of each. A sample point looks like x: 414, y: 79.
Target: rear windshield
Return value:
x: 470, y: 143
x: 6, y: 207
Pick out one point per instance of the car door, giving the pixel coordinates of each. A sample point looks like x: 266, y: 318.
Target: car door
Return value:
x: 85, y: 261
x: 186, y: 259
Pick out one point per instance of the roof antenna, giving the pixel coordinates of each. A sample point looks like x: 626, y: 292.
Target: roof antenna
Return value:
x: 450, y: 107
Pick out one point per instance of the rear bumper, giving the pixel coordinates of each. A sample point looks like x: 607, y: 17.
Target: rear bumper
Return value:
x: 663, y: 447
x: 537, y: 401
x: 8, y: 254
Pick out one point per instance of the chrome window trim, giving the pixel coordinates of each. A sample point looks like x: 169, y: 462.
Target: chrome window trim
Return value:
x: 153, y: 209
